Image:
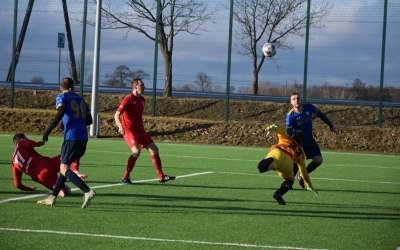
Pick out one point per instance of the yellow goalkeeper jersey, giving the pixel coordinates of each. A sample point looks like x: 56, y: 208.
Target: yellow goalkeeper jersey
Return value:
x: 289, y: 146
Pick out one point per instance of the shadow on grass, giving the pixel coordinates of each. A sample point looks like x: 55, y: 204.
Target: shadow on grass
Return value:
x: 267, y: 208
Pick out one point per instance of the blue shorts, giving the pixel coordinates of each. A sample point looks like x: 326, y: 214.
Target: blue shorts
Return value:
x: 311, y: 149
x: 72, y: 150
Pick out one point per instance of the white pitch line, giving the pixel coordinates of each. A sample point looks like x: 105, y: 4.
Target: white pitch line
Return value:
x: 361, y: 166
x: 158, y: 239
x: 97, y: 187
x: 315, y: 178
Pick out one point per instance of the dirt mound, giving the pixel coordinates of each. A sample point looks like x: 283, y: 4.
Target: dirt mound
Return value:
x: 189, y: 120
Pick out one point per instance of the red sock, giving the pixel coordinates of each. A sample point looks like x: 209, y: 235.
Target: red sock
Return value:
x: 129, y: 167
x: 157, y: 165
x: 75, y: 165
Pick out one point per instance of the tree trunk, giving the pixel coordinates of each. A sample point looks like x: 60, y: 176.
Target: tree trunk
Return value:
x: 21, y: 38
x: 255, y: 82
x: 168, y: 75
x: 74, y: 72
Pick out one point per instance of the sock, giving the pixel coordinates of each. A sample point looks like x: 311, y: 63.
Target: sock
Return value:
x: 312, y: 166
x: 72, y: 177
x: 285, y: 186
x: 157, y: 165
x: 131, y: 163
x: 75, y: 165
x: 59, y: 184
x: 295, y: 169
x: 263, y: 165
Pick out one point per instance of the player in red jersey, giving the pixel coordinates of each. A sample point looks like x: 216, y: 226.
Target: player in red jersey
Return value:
x: 132, y: 129
x: 41, y: 169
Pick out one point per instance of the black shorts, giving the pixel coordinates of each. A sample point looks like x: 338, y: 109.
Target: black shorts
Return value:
x: 72, y: 150
x: 311, y: 148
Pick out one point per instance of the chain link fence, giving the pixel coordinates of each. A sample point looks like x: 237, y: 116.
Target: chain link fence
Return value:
x: 344, y: 53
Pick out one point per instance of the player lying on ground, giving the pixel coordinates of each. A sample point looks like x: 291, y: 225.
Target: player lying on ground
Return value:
x: 281, y: 157
x: 41, y: 169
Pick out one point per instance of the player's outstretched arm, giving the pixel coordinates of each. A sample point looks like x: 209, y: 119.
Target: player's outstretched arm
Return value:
x: 18, y: 183
x: 271, y: 129
x: 30, y: 144
x: 56, y: 120
x: 326, y: 120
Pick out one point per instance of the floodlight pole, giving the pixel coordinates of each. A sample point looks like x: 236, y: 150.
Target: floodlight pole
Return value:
x: 306, y: 52
x: 59, y: 62
x: 382, y: 64
x: 21, y: 37
x: 13, y: 54
x: 228, y: 71
x: 82, y: 71
x: 96, y: 59
x: 153, y: 105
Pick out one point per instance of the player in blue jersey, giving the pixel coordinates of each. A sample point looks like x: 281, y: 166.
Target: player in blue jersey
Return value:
x: 75, y: 114
x: 300, y: 118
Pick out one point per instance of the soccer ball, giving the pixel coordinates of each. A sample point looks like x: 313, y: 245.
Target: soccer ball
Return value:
x: 269, y: 49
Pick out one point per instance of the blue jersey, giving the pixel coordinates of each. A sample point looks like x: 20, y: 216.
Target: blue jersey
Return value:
x: 302, y: 121
x: 74, y: 119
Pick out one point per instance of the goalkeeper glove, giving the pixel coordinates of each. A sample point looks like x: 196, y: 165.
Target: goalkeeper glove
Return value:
x: 271, y: 129
x: 312, y: 190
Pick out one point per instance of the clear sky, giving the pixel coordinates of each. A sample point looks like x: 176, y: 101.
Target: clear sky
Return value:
x: 349, y: 47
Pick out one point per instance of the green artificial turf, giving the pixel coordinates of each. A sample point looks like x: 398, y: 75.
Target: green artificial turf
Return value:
x: 218, y: 201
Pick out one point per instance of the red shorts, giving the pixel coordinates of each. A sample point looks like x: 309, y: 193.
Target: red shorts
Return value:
x: 134, y: 138
x: 48, y: 173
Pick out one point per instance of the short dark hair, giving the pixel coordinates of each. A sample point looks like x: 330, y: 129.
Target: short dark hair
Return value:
x: 135, y: 81
x: 295, y: 93
x: 18, y: 137
x: 67, y: 83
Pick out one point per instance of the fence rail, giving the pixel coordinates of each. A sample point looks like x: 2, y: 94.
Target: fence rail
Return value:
x: 199, y: 94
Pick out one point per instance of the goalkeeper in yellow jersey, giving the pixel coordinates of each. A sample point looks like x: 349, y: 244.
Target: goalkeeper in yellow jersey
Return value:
x: 281, y: 157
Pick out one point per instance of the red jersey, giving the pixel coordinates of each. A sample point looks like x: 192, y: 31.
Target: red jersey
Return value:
x: 131, y: 109
x: 27, y: 160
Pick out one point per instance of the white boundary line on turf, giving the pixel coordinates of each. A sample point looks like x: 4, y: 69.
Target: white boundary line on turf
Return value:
x: 359, y: 166
x: 320, y: 178
x: 226, y: 146
x: 158, y: 239
x: 98, y: 187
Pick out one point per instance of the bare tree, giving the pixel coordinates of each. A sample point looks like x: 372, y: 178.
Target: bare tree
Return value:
x: 123, y: 75
x: 219, y: 88
x: 37, y: 79
x: 203, y: 81
x: 186, y: 86
x: 244, y: 90
x: 87, y: 71
x: 261, y: 21
x: 139, y: 74
x: 358, y: 90
x: 175, y: 16
x: 120, y: 78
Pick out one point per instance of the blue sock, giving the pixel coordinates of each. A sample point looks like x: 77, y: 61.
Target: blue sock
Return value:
x: 312, y: 166
x: 72, y: 177
x: 59, y: 184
